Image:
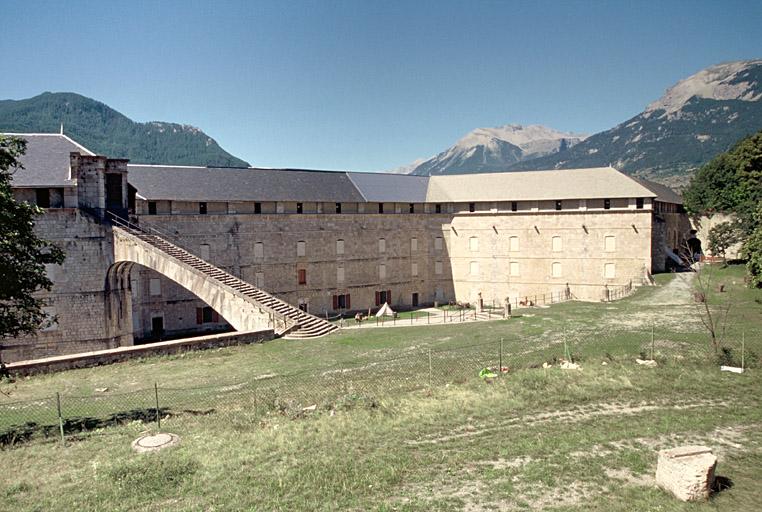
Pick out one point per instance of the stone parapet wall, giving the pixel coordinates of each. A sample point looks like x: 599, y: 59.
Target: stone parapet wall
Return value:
x: 101, y: 357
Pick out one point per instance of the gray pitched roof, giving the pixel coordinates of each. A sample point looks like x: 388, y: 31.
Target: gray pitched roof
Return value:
x: 663, y: 192
x: 594, y: 183
x: 236, y: 184
x: 46, y: 161
x: 390, y: 188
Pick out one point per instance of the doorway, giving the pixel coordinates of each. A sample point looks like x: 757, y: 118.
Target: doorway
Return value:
x: 414, y: 300
x: 157, y: 327
x: 114, y: 192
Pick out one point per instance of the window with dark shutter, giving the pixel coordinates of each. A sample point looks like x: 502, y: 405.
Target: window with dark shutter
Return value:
x: 43, y: 197
x: 348, y: 304
x: 299, y: 208
x: 151, y: 207
x: 338, y: 207
x: 639, y: 203
x: 438, y: 208
x: 302, y: 276
x: 199, y: 316
x: 335, y: 302
x: 202, y: 208
x: 378, y: 298
x: 257, y: 207
x: 380, y: 207
x: 412, y: 208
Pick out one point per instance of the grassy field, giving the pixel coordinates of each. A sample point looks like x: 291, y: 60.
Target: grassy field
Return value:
x: 382, y: 439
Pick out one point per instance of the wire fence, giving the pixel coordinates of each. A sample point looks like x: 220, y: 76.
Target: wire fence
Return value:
x: 420, y: 368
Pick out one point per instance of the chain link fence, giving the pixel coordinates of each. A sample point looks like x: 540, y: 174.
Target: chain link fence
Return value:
x: 420, y: 368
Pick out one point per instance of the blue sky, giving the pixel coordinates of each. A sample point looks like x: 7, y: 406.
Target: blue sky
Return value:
x: 367, y: 85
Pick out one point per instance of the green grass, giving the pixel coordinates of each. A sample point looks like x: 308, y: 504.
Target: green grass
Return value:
x: 381, y: 439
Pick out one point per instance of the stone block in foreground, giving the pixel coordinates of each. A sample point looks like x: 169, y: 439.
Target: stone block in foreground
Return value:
x: 687, y: 472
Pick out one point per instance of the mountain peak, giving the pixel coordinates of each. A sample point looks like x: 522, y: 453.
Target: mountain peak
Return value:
x: 495, y: 149
x: 726, y: 81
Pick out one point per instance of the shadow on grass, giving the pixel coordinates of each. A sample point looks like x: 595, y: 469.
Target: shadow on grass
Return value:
x: 18, y: 434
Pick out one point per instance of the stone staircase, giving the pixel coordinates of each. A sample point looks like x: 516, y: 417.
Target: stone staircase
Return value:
x: 302, y: 324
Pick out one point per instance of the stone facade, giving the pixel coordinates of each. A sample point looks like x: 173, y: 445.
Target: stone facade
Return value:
x: 90, y: 315
x: 527, y: 253
x: 325, y: 257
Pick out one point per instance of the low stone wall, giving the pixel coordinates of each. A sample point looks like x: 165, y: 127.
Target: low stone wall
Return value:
x: 115, y: 355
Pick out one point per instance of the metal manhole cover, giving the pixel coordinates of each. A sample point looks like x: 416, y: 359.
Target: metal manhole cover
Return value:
x: 155, y: 442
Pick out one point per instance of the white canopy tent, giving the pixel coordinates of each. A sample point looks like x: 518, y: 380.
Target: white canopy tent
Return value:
x: 385, y: 310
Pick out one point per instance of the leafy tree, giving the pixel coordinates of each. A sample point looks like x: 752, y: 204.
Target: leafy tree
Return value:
x: 732, y: 183
x: 23, y: 255
x: 752, y: 252
x: 722, y: 237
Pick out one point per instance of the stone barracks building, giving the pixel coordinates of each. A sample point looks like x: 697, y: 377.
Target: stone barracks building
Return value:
x: 274, y: 248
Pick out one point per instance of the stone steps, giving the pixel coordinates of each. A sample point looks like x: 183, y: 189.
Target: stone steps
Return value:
x: 309, y: 326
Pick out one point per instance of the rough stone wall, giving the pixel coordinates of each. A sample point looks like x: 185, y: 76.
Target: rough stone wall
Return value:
x: 231, y: 241
x: 92, y: 314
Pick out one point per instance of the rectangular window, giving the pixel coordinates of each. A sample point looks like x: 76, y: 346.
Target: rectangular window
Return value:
x: 473, y: 244
x: 42, y: 197
x: 555, y: 269
x: 639, y: 203
x: 259, y: 250
x: 338, y: 207
x: 154, y: 287
x: 383, y: 296
x: 438, y: 208
x: 301, y: 248
x: 204, y: 251
x: 438, y: 267
x: 438, y: 243
x: 414, y: 269
x: 339, y: 247
x: 609, y: 244
x: 514, y: 206
x: 380, y: 207
x: 558, y: 205
x: 381, y: 245
x: 412, y: 208
x: 50, y: 316
x: 471, y: 207
x: 259, y: 279
x: 301, y: 275
x: 413, y: 244
x: 339, y: 274
x: 206, y: 315
x: 473, y: 268
x: 607, y: 204
x: 151, y: 207
x: 557, y: 244
x: 609, y: 271
x: 202, y: 208
x: 514, y: 268
x: 299, y: 208
x: 382, y: 271
x: 513, y: 244
x: 341, y: 302
x: 257, y: 207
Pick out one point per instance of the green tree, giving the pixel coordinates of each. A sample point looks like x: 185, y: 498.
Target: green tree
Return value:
x: 23, y: 255
x: 732, y: 183
x: 721, y: 237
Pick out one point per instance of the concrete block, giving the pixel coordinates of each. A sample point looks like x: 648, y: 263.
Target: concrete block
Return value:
x: 687, y: 472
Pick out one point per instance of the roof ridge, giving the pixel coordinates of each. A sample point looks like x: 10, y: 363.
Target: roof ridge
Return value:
x: 357, y: 187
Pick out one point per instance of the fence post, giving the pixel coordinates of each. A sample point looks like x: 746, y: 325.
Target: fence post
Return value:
x: 653, y: 341
x: 743, y: 347
x: 500, y: 359
x: 158, y: 414
x: 430, y: 370
x: 428, y: 317
x: 60, y: 418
